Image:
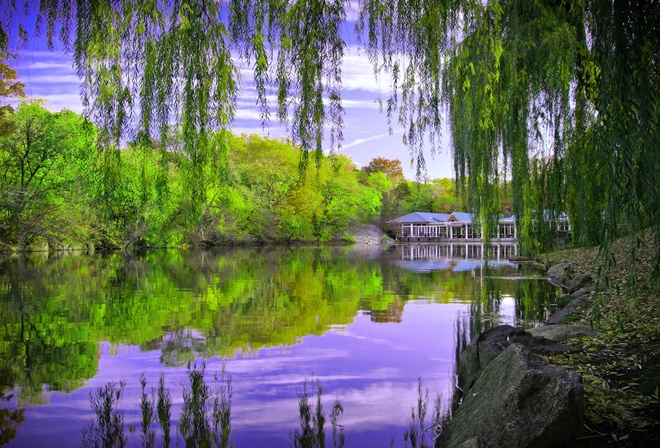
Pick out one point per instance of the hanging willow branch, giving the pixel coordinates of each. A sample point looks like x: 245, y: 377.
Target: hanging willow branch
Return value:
x: 557, y: 97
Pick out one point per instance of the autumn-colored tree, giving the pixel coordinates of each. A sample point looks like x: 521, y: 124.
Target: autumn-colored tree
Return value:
x: 9, y: 87
x: 390, y: 167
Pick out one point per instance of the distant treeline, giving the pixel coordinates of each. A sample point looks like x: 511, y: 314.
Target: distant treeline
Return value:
x: 59, y: 189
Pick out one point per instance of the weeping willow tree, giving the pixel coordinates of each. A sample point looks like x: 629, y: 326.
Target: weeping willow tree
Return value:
x: 558, y: 98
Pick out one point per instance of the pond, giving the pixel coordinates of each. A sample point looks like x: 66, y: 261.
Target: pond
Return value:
x: 366, y: 323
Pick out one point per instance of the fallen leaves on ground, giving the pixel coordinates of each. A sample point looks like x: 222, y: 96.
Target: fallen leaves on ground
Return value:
x: 621, y: 366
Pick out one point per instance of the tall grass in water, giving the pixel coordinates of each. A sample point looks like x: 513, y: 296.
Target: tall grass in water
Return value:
x: 107, y: 429
x: 312, y: 422
x: 164, y: 410
x: 205, y: 418
x: 147, y: 408
x: 418, y: 434
x: 222, y: 409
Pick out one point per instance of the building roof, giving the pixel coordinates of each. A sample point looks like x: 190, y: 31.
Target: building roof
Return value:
x: 434, y: 218
x: 461, y: 217
x: 422, y: 218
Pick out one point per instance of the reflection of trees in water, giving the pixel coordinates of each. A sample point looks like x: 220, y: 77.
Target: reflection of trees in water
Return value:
x: 535, y: 300
x: 393, y: 312
x: 180, y: 347
x: 10, y: 420
x: 55, y: 310
x: 187, y: 304
x: 41, y: 340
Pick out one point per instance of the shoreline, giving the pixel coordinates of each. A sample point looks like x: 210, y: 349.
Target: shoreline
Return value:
x: 620, y: 366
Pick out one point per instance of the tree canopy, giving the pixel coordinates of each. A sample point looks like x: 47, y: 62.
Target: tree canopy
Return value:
x: 558, y: 96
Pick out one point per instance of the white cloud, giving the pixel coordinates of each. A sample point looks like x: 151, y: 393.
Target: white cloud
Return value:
x: 352, y: 12
x: 361, y: 141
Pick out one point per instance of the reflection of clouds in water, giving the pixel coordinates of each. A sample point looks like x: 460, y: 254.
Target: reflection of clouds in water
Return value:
x: 383, y: 404
x: 365, y: 408
x: 371, y: 368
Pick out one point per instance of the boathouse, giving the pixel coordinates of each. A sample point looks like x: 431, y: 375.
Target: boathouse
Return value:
x: 423, y: 226
x: 429, y: 226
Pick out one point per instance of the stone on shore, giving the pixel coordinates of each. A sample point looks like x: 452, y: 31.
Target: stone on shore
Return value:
x: 579, y: 282
x: 562, y: 332
x: 558, y: 273
x: 369, y: 234
x: 561, y: 315
x: 490, y: 344
x: 517, y: 401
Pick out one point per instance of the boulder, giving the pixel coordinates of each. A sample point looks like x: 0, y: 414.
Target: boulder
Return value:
x: 559, y: 316
x: 558, y: 273
x: 491, y: 343
x: 475, y: 442
x: 518, y: 401
x: 578, y: 282
x: 583, y: 291
x: 562, y: 332
x: 369, y: 234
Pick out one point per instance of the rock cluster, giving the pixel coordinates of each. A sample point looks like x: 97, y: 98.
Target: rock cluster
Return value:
x: 511, y: 398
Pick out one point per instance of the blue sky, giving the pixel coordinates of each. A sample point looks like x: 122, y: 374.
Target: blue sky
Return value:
x: 50, y: 76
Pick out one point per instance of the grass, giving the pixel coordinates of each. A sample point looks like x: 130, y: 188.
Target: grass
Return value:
x: 107, y: 429
x: 206, y: 416
x: 311, y: 433
x: 418, y: 434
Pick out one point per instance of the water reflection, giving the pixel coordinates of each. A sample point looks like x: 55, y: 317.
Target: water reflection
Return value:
x: 359, y: 319
x: 494, y: 252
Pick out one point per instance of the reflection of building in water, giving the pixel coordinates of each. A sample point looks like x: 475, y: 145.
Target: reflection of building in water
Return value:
x: 463, y: 250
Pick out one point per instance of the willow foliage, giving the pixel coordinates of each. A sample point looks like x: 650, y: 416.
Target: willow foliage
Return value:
x: 557, y: 97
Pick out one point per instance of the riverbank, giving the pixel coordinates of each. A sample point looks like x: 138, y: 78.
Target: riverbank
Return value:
x: 620, y: 366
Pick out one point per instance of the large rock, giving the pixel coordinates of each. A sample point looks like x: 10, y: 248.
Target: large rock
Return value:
x: 583, y: 291
x: 579, y: 282
x: 560, y: 315
x: 491, y: 343
x: 369, y: 234
x: 559, y: 273
x: 518, y: 401
x: 563, y: 332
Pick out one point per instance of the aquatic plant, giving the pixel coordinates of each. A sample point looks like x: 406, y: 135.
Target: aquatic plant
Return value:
x: 147, y: 408
x: 204, y: 415
x: 418, y: 434
x: 312, y: 422
x: 107, y: 429
x: 205, y: 419
x: 164, y: 410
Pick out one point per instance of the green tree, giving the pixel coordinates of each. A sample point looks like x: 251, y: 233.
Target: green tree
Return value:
x: 447, y: 199
x: 41, y: 181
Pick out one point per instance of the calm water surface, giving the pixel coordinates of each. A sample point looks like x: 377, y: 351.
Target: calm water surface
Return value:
x: 365, y: 322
